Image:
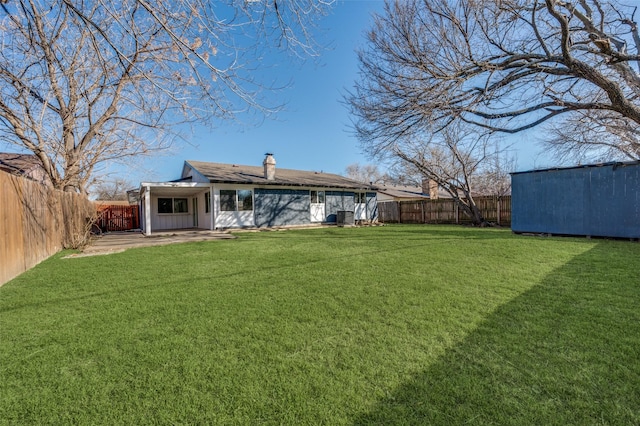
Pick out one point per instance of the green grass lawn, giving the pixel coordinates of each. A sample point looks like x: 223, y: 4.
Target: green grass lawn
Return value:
x: 388, y: 325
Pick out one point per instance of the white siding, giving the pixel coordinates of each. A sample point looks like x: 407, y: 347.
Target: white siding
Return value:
x: 360, y: 212
x: 204, y: 218
x: 170, y: 221
x: 236, y: 219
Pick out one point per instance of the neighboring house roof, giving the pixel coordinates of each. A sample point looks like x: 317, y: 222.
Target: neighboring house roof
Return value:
x: 26, y: 165
x: 403, y: 192
x: 112, y: 202
x: 235, y: 173
x: 18, y: 163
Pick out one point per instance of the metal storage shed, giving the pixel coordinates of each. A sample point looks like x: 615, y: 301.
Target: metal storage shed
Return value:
x: 600, y: 200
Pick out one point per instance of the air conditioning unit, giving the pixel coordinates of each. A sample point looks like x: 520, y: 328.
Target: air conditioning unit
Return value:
x: 345, y: 218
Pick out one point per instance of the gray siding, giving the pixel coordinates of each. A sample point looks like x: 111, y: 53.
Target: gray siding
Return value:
x: 281, y: 207
x: 336, y: 201
x: 598, y: 201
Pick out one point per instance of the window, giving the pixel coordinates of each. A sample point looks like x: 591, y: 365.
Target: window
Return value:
x: 173, y: 205
x: 207, y: 202
x: 180, y: 205
x: 232, y: 200
x: 360, y: 198
x: 227, y: 200
x: 245, y: 200
x: 165, y: 205
x: 317, y: 197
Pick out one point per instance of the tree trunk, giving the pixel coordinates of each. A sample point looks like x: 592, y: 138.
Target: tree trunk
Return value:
x: 470, y: 208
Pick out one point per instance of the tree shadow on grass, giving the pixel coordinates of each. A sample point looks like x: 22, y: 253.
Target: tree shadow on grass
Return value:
x: 565, y: 352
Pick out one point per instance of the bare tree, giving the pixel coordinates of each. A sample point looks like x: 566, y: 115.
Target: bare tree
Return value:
x: 504, y: 66
x: 495, y: 176
x: 401, y: 173
x: 113, y: 190
x: 452, y: 158
x: 87, y: 82
x: 368, y: 173
x: 594, y: 136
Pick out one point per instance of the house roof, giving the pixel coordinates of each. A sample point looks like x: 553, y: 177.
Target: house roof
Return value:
x: 235, y: 173
x: 18, y: 163
x: 409, y: 192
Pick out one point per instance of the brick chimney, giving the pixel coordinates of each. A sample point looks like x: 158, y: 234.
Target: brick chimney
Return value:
x: 433, y: 189
x: 269, y: 164
x: 430, y: 186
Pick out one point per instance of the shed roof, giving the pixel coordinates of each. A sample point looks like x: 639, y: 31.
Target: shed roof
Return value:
x: 236, y: 173
x: 582, y: 166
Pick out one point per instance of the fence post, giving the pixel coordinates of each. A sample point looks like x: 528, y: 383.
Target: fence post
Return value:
x: 455, y: 209
x: 499, y: 201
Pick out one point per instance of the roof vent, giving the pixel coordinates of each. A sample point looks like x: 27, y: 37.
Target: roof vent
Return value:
x: 269, y: 164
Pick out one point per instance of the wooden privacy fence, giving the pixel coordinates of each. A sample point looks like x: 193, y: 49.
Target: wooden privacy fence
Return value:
x: 118, y: 218
x: 37, y: 221
x: 445, y: 210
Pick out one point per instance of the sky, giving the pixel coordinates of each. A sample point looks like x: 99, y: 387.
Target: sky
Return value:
x: 311, y: 133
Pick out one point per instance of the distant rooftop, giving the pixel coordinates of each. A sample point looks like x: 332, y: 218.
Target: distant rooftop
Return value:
x: 20, y: 164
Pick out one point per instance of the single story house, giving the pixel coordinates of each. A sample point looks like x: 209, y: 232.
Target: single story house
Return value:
x: 219, y: 196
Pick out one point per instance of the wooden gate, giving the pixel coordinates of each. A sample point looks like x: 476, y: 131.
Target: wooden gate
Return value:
x: 118, y: 218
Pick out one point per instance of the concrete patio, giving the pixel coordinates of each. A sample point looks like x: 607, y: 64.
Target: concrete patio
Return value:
x: 117, y: 242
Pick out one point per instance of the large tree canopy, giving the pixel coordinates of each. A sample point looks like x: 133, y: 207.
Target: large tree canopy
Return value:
x: 502, y: 65
x: 87, y: 81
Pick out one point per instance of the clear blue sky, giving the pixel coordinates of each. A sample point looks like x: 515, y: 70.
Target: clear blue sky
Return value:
x: 312, y: 133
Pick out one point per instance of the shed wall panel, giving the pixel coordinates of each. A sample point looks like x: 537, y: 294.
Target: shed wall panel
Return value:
x: 601, y: 201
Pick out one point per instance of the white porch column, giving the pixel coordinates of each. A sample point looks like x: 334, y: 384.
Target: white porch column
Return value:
x: 147, y: 211
x: 212, y: 213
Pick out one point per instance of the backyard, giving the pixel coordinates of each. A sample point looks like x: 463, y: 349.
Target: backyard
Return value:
x: 387, y: 325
